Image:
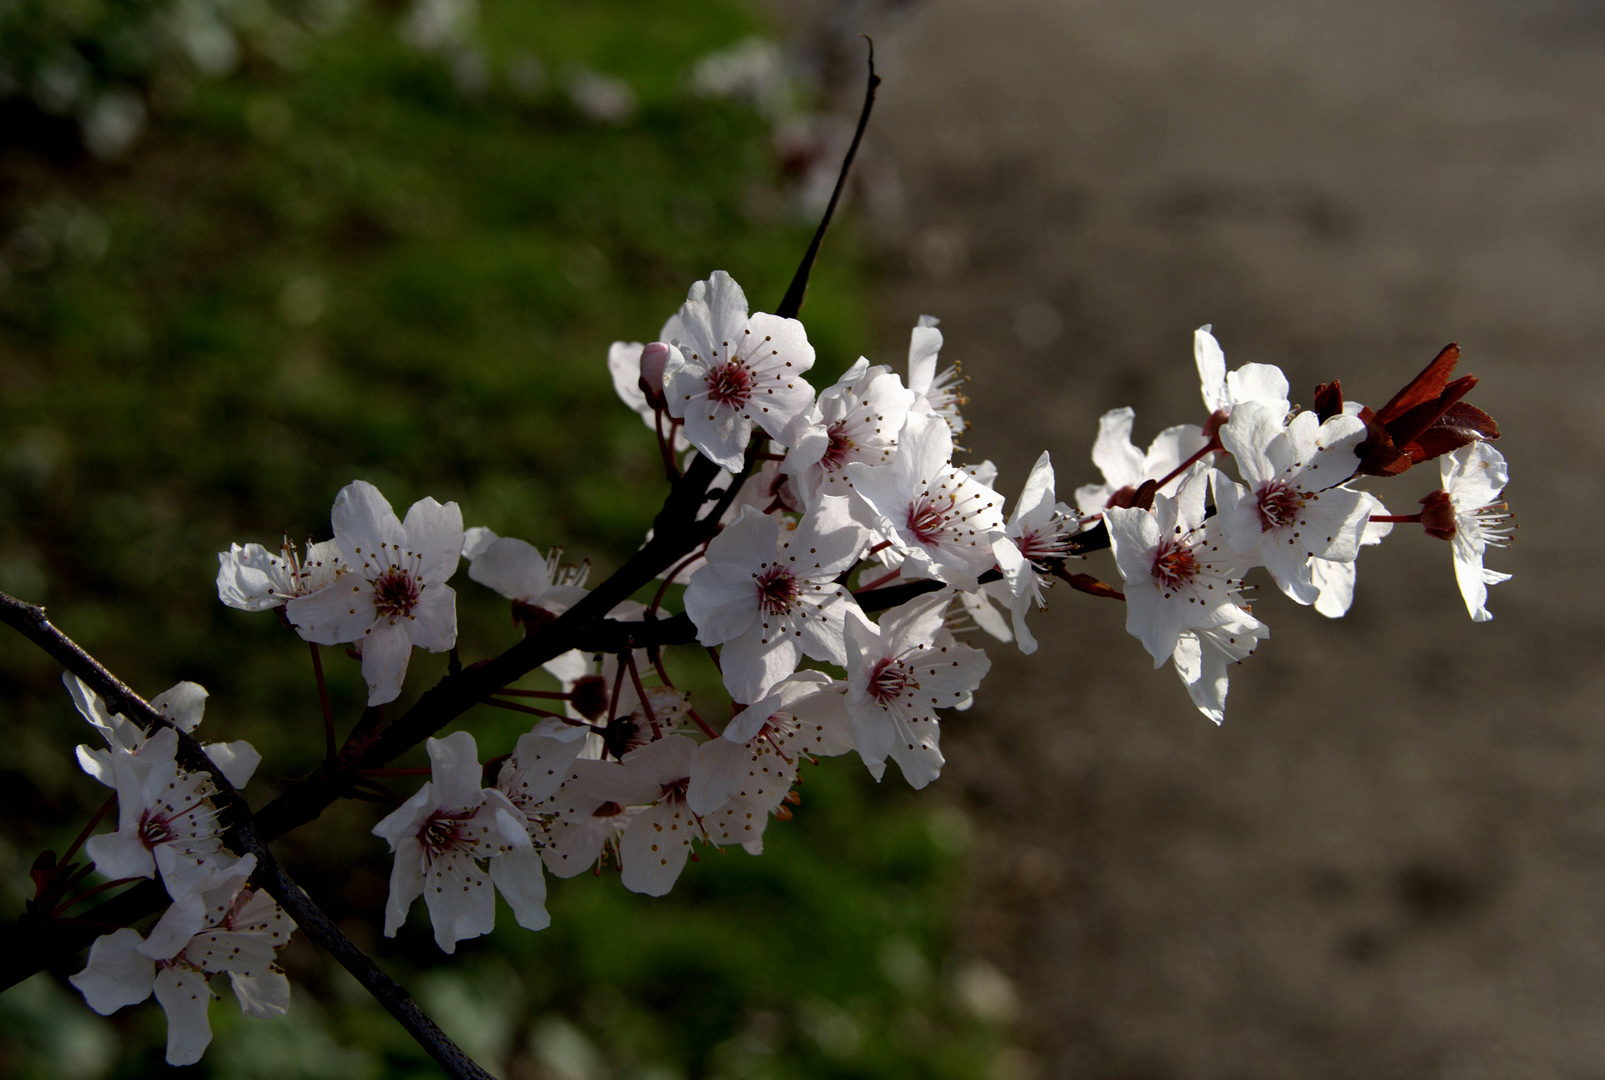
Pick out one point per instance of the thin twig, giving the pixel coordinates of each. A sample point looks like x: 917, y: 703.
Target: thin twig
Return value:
x: 793, y: 302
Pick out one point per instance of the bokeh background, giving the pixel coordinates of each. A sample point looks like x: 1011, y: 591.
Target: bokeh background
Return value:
x: 253, y: 250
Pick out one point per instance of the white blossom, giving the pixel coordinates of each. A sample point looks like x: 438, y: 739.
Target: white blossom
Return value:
x: 1473, y: 477
x: 251, y: 578
x: 731, y: 372
x: 938, y: 518
x: 1124, y: 467
x: 934, y: 393
x: 166, y: 821
x: 857, y: 420
x: 223, y: 926
x: 1026, y: 549
x: 741, y: 778
x: 183, y: 704
x: 1223, y: 390
x: 898, y: 675
x: 1182, y: 588
x: 393, y: 594
x: 1294, y: 507
x: 517, y: 570
x: 439, y: 834
x: 529, y: 778
x: 770, y: 597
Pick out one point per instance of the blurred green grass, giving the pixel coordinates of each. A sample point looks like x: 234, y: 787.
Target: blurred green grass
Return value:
x: 353, y: 269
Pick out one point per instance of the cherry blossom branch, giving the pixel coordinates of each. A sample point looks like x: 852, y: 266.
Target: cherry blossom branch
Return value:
x: 241, y: 832
x: 677, y: 530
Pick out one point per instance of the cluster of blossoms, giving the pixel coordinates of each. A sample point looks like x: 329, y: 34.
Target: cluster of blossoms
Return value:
x: 168, y: 827
x: 849, y: 555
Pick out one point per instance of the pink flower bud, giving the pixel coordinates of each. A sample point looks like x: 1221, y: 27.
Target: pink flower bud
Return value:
x: 654, y: 358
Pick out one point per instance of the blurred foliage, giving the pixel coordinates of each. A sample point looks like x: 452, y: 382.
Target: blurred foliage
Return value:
x: 403, y: 261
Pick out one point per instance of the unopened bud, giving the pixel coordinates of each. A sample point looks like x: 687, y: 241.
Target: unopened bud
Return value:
x: 654, y: 359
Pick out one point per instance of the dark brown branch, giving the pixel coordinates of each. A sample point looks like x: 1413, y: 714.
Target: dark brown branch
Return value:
x: 241, y: 832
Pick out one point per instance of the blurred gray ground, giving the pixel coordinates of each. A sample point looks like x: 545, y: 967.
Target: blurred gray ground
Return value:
x: 1390, y: 861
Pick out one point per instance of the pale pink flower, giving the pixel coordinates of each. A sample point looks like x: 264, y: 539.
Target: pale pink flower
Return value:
x: 1473, y: 478
x: 857, y: 420
x: 393, y: 594
x: 935, y: 393
x: 938, y: 518
x: 439, y: 835
x: 733, y: 371
x: 166, y: 821
x: 898, y: 675
x: 223, y: 926
x: 1178, y: 572
x: 517, y: 570
x: 1223, y: 390
x: 251, y: 578
x: 771, y: 597
x: 183, y: 704
x: 1030, y: 546
x: 1294, y: 507
x: 1124, y: 467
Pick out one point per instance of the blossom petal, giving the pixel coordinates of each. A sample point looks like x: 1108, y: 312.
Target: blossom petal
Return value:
x: 116, y: 974
x: 185, y: 997
x: 461, y: 900
x: 336, y: 613
x: 264, y: 994
x: 435, y: 535
x: 366, y: 525
x: 385, y: 653
x: 522, y: 883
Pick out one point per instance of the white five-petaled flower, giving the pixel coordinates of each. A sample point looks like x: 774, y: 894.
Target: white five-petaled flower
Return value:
x: 739, y: 779
x: 898, y: 675
x: 393, y: 594
x: 1293, y: 508
x: 183, y: 704
x: 251, y: 578
x: 1035, y: 536
x: 1182, y: 591
x: 439, y: 834
x: 858, y: 419
x: 1473, y: 478
x: 770, y: 597
x: 1124, y: 467
x: 1223, y: 390
x: 731, y: 371
x: 223, y: 926
x: 165, y: 820
x: 938, y: 518
x: 934, y: 393
x: 517, y: 570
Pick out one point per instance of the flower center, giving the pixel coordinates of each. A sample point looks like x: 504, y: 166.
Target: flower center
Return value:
x: 154, y: 829
x: 777, y: 590
x: 927, y: 517
x: 1174, y: 564
x: 444, y: 832
x: 395, y: 595
x: 730, y: 384
x: 888, y: 681
x: 1279, y: 505
x: 839, y: 447
x: 674, y: 790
